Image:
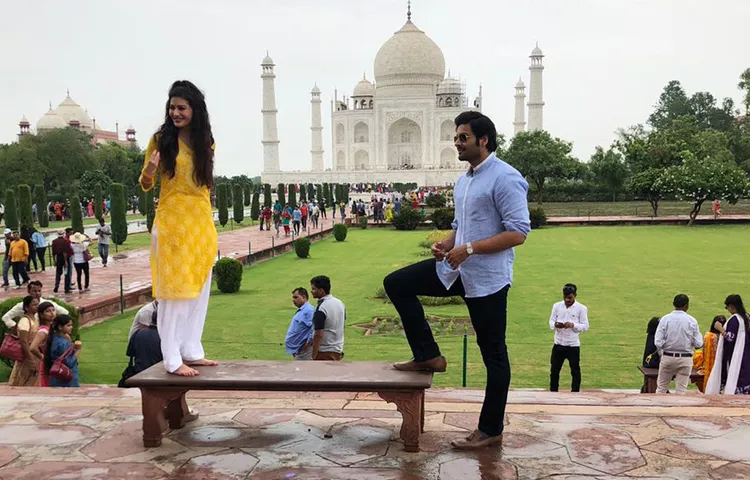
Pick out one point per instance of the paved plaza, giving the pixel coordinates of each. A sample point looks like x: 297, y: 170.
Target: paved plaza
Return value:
x: 95, y: 433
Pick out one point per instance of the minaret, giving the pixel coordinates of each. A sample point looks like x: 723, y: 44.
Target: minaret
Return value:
x: 270, y: 131
x: 316, y: 128
x: 24, y: 127
x: 536, y: 102
x: 519, y: 124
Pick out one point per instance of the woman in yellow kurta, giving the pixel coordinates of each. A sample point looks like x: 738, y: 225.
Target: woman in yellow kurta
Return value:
x: 389, y: 212
x: 184, y: 242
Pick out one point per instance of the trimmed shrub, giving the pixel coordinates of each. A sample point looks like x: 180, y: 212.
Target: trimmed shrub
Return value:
x: 42, y: 214
x: 267, y: 200
x: 97, y: 201
x: 11, y: 302
x: 255, y: 208
x: 76, y: 214
x: 436, y: 200
x: 119, y: 222
x: 302, y: 194
x: 141, y: 200
x: 247, y: 194
x: 363, y: 222
x: 239, y: 208
x: 302, y: 247
x: 228, y: 275
x: 280, y: 194
x: 310, y: 192
x: 11, y: 209
x: 26, y: 213
x: 407, y: 219
x: 339, y: 232
x: 292, y: 195
x: 221, y: 203
x: 537, y: 217
x: 442, y: 218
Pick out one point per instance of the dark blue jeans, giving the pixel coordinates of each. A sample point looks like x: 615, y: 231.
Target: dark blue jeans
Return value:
x: 488, y: 317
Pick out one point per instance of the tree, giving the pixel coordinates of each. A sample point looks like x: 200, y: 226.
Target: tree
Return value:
x: 647, y: 184
x: 150, y: 210
x: 310, y: 192
x: 11, y: 209
x: 292, y: 195
x: 92, y: 179
x: 609, y: 170
x: 119, y: 164
x: 255, y: 208
x: 239, y: 207
x: 280, y: 194
x: 267, y: 200
x: 40, y: 196
x: 66, y: 155
x: 98, y: 199
x: 247, y: 193
x: 221, y: 203
x: 698, y: 180
x: 76, y: 214
x: 326, y: 192
x: 540, y: 157
x: 673, y: 103
x: 230, y: 200
x: 744, y: 85
x: 118, y: 213
x: 302, y: 193
x: 25, y: 212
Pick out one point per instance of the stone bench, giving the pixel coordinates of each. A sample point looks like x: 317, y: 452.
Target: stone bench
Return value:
x: 160, y: 390
x: 650, y: 375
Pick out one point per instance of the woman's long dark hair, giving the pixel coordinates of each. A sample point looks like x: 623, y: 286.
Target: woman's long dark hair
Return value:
x: 54, y: 331
x: 736, y: 301
x: 200, y: 135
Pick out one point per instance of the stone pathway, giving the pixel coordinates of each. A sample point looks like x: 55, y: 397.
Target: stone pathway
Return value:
x: 136, y: 271
x: 95, y: 433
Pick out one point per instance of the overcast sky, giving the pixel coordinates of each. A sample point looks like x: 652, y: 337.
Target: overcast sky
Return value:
x: 606, y: 60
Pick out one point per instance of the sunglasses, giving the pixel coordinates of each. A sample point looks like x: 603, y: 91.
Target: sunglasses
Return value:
x: 462, y: 137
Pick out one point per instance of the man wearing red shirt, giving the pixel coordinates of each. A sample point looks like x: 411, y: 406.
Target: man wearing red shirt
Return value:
x: 304, y: 212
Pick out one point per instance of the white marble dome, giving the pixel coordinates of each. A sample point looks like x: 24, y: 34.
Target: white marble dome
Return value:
x: 70, y: 110
x: 364, y: 88
x: 409, y: 56
x: 449, y: 85
x: 50, y: 121
x: 537, y: 51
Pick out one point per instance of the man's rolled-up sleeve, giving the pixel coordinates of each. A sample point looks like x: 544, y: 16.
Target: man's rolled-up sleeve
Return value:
x: 511, y: 202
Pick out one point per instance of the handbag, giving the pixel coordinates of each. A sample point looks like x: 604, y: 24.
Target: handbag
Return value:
x: 127, y: 373
x: 87, y: 255
x: 11, y: 348
x: 61, y: 371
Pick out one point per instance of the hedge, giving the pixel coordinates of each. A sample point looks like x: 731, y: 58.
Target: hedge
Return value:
x: 76, y: 214
x: 442, y: 218
x: 302, y: 247
x: 42, y: 214
x: 280, y: 194
x: 407, y: 219
x: 239, y: 208
x: 222, y: 194
x: 537, y: 217
x: 228, y: 275
x: 98, y: 199
x: 255, y: 208
x: 339, y: 232
x: 25, y: 211
x: 11, y: 302
x: 118, y: 216
x: 267, y: 200
x: 11, y: 209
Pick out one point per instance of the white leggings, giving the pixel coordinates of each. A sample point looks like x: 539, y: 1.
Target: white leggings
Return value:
x: 180, y: 325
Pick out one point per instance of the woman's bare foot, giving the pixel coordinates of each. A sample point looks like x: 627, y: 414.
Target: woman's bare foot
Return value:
x: 203, y: 362
x: 185, y: 371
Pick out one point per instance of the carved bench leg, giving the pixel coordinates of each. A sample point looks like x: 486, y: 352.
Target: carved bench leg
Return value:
x: 153, y: 404
x: 410, y: 405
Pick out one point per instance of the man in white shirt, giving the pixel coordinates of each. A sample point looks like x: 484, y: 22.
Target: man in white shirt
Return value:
x: 568, y: 319
x: 676, y: 337
x: 34, y: 289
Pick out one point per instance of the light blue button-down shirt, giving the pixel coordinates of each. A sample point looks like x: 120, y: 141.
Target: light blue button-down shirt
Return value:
x: 490, y: 199
x: 300, y: 330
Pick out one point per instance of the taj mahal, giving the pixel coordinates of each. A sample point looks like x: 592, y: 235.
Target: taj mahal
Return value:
x: 399, y: 128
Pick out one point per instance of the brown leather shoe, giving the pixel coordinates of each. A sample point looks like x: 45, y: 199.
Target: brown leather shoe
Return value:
x: 477, y: 440
x: 437, y: 364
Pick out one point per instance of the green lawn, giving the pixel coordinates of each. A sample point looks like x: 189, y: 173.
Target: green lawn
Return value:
x: 625, y: 275
x: 641, y: 209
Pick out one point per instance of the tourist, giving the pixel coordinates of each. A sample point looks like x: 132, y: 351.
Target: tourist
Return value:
x: 703, y: 360
x: 299, y: 339
x: 182, y: 154
x: 475, y: 262
x: 46, y: 312
x: 69, y: 277
x: 716, y: 207
x: 731, y: 372
x: 104, y: 232
x: 34, y: 289
x: 81, y: 256
x: 276, y: 216
x: 7, y: 236
x: 388, y: 211
x: 286, y: 217
x: 328, y: 321
x: 676, y: 337
x: 19, y: 254
x: 267, y: 216
x: 304, y: 213
x: 651, y: 356
x: 26, y: 234
x: 40, y: 245
x: 297, y: 219
x: 144, y: 343
x: 322, y: 206
x: 59, y: 343
x: 315, y: 215
x: 61, y: 251
x: 569, y: 319
x: 26, y: 372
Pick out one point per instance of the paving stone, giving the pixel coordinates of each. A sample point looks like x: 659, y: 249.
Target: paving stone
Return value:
x: 673, y: 448
x: 48, y: 415
x: 260, y: 418
x: 732, y: 446
x: 84, y: 471
x: 605, y: 449
x: 126, y: 439
x: 523, y: 445
x: 66, y: 452
x: 43, y: 434
x: 650, y: 431
x: 733, y: 471
x: 357, y: 441
x: 703, y: 426
x: 169, y: 456
x: 336, y: 473
x: 348, y: 413
x: 548, y: 463
x: 7, y: 455
x: 485, y: 466
x: 662, y: 466
x: 225, y: 465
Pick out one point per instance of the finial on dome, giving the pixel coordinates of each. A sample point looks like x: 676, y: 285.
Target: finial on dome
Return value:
x: 68, y: 90
x: 408, y: 11
x: 50, y: 105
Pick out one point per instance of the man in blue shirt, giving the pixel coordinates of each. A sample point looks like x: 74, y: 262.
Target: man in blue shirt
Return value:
x: 296, y: 218
x: 476, y: 263
x: 298, y: 339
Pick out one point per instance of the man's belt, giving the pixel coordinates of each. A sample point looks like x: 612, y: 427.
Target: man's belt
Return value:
x: 680, y: 355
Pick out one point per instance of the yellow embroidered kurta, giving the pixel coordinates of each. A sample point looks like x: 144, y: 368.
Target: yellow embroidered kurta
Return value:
x: 187, y: 242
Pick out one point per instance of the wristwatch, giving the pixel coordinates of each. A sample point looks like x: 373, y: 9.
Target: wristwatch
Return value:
x: 469, y: 249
